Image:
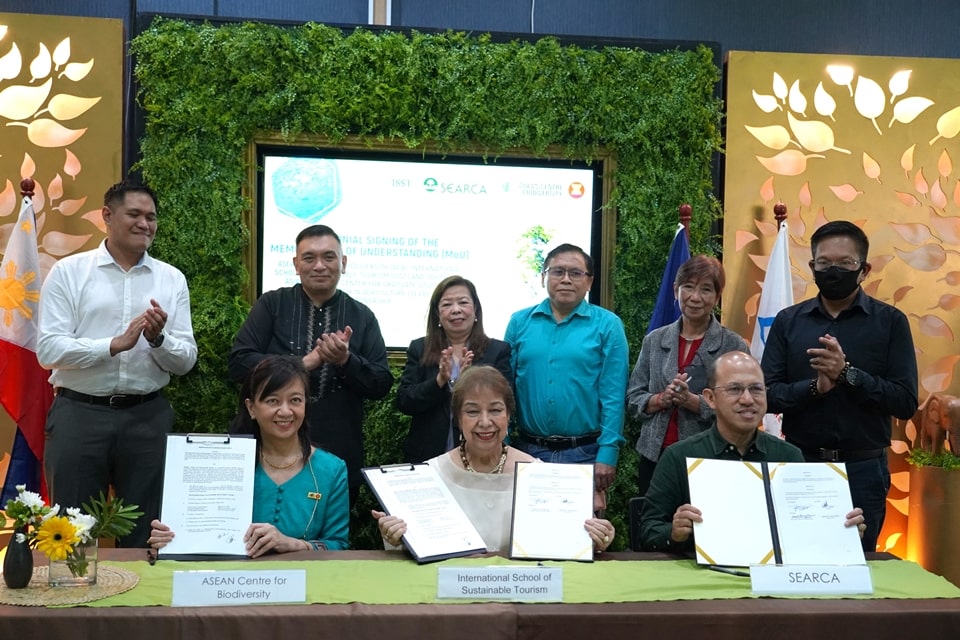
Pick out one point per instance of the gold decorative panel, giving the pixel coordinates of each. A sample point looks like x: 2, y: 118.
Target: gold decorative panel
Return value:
x: 873, y: 140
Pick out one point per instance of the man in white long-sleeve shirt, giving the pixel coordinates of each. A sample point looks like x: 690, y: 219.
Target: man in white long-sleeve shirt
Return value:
x: 114, y: 324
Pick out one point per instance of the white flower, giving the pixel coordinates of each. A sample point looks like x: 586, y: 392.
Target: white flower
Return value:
x: 21, y: 488
x: 54, y: 511
x: 31, y: 500
x: 82, y: 522
x: 21, y: 538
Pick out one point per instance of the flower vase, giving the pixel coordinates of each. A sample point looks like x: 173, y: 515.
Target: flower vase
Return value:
x: 18, y: 563
x: 79, y: 569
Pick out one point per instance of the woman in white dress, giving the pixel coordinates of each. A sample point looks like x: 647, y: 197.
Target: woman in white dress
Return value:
x: 479, y: 472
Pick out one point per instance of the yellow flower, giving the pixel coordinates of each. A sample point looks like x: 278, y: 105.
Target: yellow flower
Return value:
x: 56, y: 538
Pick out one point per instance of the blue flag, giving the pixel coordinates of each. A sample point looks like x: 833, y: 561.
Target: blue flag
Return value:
x: 667, y: 310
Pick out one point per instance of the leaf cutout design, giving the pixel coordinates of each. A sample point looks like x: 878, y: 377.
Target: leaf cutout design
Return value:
x: 900, y: 293
x: 901, y: 479
x: 948, y: 301
x: 947, y: 227
x: 908, y: 109
x: 871, y: 288
x: 804, y: 195
x: 908, y: 199
x: 956, y: 193
x: 937, y: 196
x: 7, y: 229
x: 906, y: 160
x: 944, y: 164
x: 77, y: 71
x: 894, y: 538
x: 66, y: 107
x: 929, y: 257
x: 914, y: 232
x: 61, y: 244
x: 899, y: 83
x: 823, y: 102
x: 70, y: 207
x: 768, y: 229
x: 749, y: 307
x: 743, y: 238
x: 61, y: 52
x: 55, y: 188
x: 952, y: 278
x: 3, y: 31
x: 846, y: 192
x: 50, y: 133
x: 95, y: 217
x: 774, y: 136
x: 813, y: 135
x: 797, y: 101
x: 28, y: 167
x: 71, y: 166
x: 821, y: 219
x: 939, y: 376
x: 11, y: 63
x: 41, y: 65
x: 766, y: 103
x: 869, y: 100
x: 779, y: 86
x: 879, y: 262
x: 920, y: 182
x: 766, y: 190
x: 8, y: 201
x: 796, y: 226
x: 842, y: 75
x: 948, y: 125
x: 19, y: 102
x: 871, y: 168
x: 787, y: 163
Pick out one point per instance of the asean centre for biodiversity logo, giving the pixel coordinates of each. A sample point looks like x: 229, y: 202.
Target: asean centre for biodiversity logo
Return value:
x: 576, y: 190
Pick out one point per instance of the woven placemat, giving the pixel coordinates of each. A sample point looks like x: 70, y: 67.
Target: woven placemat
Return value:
x: 110, y: 582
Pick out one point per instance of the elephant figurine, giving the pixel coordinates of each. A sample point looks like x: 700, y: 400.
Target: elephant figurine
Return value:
x: 940, y: 422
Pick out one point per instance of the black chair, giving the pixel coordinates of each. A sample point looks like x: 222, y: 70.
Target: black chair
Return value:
x: 635, y: 507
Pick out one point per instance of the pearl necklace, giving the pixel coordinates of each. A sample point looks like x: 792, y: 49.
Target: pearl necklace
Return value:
x: 466, y: 463
x: 278, y: 467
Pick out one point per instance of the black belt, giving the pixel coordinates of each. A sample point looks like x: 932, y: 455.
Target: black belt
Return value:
x: 556, y: 443
x: 843, y: 455
x: 116, y: 401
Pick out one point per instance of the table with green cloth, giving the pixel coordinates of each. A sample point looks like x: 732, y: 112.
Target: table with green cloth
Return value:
x: 382, y: 594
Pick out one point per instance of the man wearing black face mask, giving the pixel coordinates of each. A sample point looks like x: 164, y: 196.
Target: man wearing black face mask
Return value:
x: 838, y: 366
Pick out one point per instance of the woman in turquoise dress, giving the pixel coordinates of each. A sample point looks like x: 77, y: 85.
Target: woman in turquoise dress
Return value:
x: 300, y: 496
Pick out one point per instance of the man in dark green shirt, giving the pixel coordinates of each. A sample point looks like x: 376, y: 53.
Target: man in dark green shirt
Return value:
x: 736, y: 392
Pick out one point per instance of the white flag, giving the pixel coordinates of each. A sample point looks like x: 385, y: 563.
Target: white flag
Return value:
x: 777, y: 294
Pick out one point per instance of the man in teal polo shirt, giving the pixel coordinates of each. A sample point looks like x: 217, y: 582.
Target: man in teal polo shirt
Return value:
x: 736, y: 392
x: 570, y: 364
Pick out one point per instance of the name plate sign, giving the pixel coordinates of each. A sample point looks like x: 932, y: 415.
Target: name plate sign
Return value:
x: 515, y: 584
x: 810, y: 580
x: 227, y: 588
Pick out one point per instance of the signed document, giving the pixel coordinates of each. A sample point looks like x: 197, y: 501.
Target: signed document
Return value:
x: 437, y: 528
x: 551, y: 502
x: 208, y: 493
x: 766, y: 513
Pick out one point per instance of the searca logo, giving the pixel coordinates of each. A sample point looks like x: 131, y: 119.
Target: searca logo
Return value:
x: 432, y: 185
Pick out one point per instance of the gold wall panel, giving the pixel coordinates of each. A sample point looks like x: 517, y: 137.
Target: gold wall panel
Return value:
x: 61, y: 123
x: 873, y: 140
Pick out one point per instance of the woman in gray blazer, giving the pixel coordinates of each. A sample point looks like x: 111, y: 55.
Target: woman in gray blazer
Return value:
x: 664, y: 392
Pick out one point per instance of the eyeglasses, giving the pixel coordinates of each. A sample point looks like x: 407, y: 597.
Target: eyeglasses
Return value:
x: 847, y: 264
x: 560, y: 272
x: 734, y: 391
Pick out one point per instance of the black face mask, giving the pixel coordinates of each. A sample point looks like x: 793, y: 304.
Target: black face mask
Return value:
x: 836, y: 283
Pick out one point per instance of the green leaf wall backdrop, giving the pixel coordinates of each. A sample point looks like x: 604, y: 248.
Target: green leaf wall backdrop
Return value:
x: 208, y: 90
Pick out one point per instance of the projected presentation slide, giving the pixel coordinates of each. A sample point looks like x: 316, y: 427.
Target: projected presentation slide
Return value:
x: 405, y: 226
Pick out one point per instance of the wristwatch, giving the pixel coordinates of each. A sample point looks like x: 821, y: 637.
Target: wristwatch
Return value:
x: 156, y: 342
x: 849, y: 375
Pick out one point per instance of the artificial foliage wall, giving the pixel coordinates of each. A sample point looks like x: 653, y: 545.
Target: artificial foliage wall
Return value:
x: 206, y: 91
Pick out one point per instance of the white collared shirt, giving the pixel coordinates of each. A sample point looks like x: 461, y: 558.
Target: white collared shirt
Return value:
x: 87, y: 300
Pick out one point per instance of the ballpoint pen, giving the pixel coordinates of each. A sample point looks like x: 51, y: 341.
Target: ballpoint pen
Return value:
x: 732, y: 572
